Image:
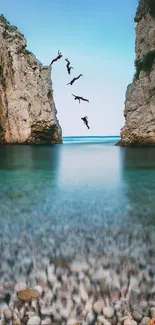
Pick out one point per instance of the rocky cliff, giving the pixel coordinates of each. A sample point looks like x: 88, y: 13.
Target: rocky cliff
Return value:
x: 27, y: 109
x: 139, y: 110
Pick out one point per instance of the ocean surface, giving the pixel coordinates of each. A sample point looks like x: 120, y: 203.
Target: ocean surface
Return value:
x: 90, y: 179
x: 87, y: 140
x: 87, y: 182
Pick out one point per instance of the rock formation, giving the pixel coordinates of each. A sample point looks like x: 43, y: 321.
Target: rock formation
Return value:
x: 139, y: 110
x: 27, y: 109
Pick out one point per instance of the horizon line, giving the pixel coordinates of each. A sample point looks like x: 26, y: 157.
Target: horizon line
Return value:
x: 91, y: 136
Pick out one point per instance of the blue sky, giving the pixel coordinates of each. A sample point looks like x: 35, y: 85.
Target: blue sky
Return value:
x: 98, y: 37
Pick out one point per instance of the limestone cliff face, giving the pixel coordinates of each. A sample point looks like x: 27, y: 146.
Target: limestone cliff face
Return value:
x: 27, y: 109
x: 139, y: 110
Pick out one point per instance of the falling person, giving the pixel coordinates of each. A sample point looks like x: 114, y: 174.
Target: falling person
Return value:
x: 80, y: 98
x: 59, y: 56
x: 85, y: 120
x: 68, y: 66
x: 74, y: 79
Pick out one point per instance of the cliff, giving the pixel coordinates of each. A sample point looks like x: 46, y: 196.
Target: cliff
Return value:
x: 139, y: 110
x: 27, y: 109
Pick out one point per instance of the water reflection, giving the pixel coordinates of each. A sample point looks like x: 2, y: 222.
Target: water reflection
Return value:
x: 29, y: 157
x: 90, y: 166
x: 138, y: 179
x: 27, y: 173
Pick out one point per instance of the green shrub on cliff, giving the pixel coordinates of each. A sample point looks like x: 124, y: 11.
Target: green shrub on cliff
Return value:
x: 28, y: 52
x: 4, y: 20
x: 8, y: 27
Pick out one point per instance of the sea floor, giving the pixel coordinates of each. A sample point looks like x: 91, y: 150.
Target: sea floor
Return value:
x: 82, y: 276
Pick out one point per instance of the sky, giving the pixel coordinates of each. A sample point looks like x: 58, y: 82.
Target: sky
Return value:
x: 98, y: 37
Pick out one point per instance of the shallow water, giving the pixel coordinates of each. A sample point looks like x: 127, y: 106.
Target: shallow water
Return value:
x: 68, y: 184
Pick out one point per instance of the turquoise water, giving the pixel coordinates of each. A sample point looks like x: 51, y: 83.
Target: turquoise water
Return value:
x: 86, y: 199
x: 95, y: 139
x: 55, y: 189
x: 68, y: 183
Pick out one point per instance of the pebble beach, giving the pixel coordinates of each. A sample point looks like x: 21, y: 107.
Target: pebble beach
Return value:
x: 80, y: 278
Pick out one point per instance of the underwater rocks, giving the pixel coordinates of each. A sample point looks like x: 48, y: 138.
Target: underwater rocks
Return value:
x: 112, y: 283
x: 29, y: 294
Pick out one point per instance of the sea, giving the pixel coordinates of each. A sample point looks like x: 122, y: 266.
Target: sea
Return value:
x: 86, y: 177
x: 67, y: 199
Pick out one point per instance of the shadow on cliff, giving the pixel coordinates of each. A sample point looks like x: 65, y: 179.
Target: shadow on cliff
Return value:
x: 138, y: 178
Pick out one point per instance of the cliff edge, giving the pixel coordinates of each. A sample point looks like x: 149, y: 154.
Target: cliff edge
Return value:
x: 139, y: 110
x: 27, y: 109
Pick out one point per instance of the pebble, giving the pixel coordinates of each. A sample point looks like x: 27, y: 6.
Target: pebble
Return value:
x: 88, y: 306
x: 51, y: 276
x: 34, y: 304
x: 145, y: 320
x: 20, y: 286
x: 129, y: 321
x: 15, y: 314
x: 143, y: 304
x: 78, y: 267
x: 39, y: 289
x: 152, y: 311
x: 137, y: 315
x: 42, y: 278
x: 35, y: 320
x: 108, y: 312
x: 47, y: 311
x: 101, y: 319
x: 81, y: 276
x: 8, y: 285
x: 22, y: 312
x: 98, y: 306
x: 30, y: 313
x: 90, y: 317
x: 117, y: 306
x: 83, y: 293
x: 76, y: 299
x: 64, y: 312
x: 107, y: 322
x: 72, y: 321
x: 28, y: 294
x: 16, y: 322
x: 56, y: 316
x: 99, y: 275
x: 46, y: 321
x: 7, y: 313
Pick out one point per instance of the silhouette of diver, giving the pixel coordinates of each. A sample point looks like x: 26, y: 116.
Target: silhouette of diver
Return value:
x: 85, y: 120
x: 68, y: 66
x: 80, y: 98
x: 59, y: 56
x: 73, y: 80
x: 69, y: 70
